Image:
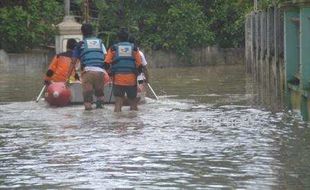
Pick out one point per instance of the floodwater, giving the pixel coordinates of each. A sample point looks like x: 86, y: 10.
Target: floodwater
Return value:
x: 208, y: 130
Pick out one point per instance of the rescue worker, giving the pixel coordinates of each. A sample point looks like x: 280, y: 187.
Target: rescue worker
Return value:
x: 123, y: 59
x: 91, y: 52
x: 143, y: 74
x: 59, y: 67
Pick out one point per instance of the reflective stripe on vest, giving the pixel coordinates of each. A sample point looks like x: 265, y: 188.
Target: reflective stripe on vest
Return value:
x: 124, y: 62
x: 92, y: 53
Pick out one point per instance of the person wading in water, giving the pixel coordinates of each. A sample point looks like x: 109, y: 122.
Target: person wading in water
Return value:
x: 123, y: 59
x: 91, y: 52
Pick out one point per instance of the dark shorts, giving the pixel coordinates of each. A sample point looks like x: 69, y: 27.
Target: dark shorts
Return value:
x: 92, y: 82
x: 119, y: 91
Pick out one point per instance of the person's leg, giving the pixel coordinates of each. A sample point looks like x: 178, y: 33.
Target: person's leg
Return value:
x: 99, y: 86
x: 131, y: 92
x: 87, y: 90
x: 118, y: 104
x: 87, y: 101
x: 141, y: 92
x: 119, y: 93
x: 133, y: 104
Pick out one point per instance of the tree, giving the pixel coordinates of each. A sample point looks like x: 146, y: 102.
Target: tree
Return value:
x: 177, y: 25
x: 227, y: 21
x: 186, y: 27
x: 28, y: 24
x: 263, y: 4
x: 173, y: 25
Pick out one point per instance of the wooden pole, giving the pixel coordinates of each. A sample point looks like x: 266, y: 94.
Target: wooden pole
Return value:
x: 255, y: 5
x: 40, y: 94
x: 148, y: 84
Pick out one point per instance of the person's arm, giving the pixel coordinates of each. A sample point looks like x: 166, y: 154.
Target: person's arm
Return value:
x: 109, y: 60
x: 138, y: 59
x: 146, y: 74
x: 51, y: 70
x: 143, y: 60
x: 104, y: 50
x: 72, y: 67
x: 74, y: 60
x: 144, y: 68
x: 109, y: 57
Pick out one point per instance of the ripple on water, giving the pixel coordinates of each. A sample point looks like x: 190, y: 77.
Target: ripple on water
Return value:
x: 167, y: 144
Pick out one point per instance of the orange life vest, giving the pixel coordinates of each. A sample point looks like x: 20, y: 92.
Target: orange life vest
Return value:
x: 60, y: 66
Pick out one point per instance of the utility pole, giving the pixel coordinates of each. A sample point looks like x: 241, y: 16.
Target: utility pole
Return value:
x: 67, y: 7
x: 68, y: 28
x: 121, y: 13
x: 86, y: 11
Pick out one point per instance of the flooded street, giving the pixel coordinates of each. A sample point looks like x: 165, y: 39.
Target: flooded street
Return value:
x: 208, y: 130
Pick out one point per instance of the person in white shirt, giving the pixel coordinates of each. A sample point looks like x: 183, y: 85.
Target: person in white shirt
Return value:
x: 143, y: 73
x: 143, y: 76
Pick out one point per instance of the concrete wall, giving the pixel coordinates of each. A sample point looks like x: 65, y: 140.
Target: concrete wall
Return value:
x: 4, y: 57
x: 277, y: 53
x: 264, y: 52
x: 202, y: 57
x: 38, y: 58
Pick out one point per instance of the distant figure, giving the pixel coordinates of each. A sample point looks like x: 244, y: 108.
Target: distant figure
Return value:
x: 91, y: 52
x: 143, y: 72
x: 60, y: 65
x: 124, y: 60
x: 143, y: 76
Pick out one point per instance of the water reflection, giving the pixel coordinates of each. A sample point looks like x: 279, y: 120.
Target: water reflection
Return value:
x: 21, y: 82
x: 205, y: 132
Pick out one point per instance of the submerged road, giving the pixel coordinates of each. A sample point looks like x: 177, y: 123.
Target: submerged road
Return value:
x: 208, y: 130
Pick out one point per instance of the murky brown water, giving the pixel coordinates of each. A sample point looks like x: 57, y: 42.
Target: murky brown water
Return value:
x: 208, y: 130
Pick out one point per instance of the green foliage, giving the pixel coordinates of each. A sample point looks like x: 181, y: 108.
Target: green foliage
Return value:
x: 227, y: 21
x: 186, y: 27
x: 178, y: 25
x: 174, y: 25
x: 29, y: 24
x: 10, y: 20
x: 263, y: 4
